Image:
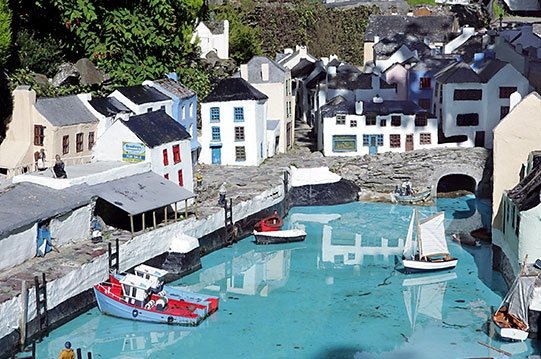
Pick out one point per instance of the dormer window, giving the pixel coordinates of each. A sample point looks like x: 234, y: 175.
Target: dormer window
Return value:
x: 340, y: 119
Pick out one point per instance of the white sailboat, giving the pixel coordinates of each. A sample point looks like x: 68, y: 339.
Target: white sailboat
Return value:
x: 511, y: 318
x: 429, y: 251
x: 425, y: 296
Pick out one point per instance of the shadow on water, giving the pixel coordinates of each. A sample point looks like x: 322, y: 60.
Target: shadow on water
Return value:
x: 355, y: 353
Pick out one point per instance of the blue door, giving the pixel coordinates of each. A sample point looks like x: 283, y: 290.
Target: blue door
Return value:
x: 373, y: 146
x: 216, y: 155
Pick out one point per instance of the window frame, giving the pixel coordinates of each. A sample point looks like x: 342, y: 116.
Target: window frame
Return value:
x: 238, y: 114
x: 79, y: 142
x: 39, y: 135
x: 395, y: 140
x: 176, y: 154
x: 240, y: 153
x: 423, y: 83
x: 165, y: 157
x: 340, y: 119
x: 91, y: 140
x: 214, y: 113
x: 216, y: 135
x: 240, y: 135
x: 180, y: 178
x: 396, y: 120
x: 463, y: 121
x: 506, y: 91
x: 65, y: 144
x: 467, y: 95
x: 421, y: 119
x: 370, y: 119
x: 425, y: 138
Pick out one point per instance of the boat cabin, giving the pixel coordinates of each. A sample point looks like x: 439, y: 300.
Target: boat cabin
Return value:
x: 154, y: 275
x: 135, y: 289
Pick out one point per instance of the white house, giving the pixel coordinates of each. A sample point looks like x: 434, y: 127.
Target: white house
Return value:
x: 274, y: 81
x: 107, y: 110
x: 234, y: 124
x: 369, y: 127
x: 151, y: 137
x: 289, y: 58
x: 213, y: 36
x: 471, y: 103
x: 143, y: 98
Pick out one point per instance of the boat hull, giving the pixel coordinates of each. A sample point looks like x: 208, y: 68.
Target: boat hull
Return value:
x: 108, y: 305
x: 276, y: 237
x: 511, y: 333
x: 411, y: 199
x: 427, y: 266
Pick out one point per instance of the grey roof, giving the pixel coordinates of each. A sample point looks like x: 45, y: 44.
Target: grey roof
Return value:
x: 470, y: 47
x: 336, y: 105
x: 302, y: 69
x: 64, y: 111
x: 277, y: 73
x: 273, y: 124
x: 389, y: 45
x: 141, y: 193
x: 436, y: 27
x: 459, y: 72
x: 156, y: 128
x: 489, y: 68
x: 433, y: 63
x: 108, y: 106
x: 354, y: 80
x: 26, y: 203
x: 234, y: 89
x: 175, y: 88
x: 141, y: 94
x: 340, y: 104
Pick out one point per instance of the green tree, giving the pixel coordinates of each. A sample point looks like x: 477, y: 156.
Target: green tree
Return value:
x: 5, y: 32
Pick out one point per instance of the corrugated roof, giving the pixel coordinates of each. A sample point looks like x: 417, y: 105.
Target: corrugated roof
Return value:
x: 156, y: 128
x: 64, y: 111
x: 141, y: 193
x: 175, y: 88
x: 108, y: 106
x: 234, y: 89
x: 141, y: 94
x: 436, y: 27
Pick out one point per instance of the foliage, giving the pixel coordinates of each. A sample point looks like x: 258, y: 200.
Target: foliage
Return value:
x: 420, y: 2
x: 5, y: 32
x: 39, y: 55
x: 498, y: 10
x: 195, y: 77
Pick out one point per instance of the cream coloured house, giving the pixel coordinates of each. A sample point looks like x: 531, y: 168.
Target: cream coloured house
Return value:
x: 58, y: 125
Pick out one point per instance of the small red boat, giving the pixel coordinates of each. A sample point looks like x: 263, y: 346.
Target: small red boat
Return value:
x: 271, y: 223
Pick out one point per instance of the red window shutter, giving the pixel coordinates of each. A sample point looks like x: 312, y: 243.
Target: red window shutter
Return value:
x: 180, y: 179
x: 165, y: 159
x: 166, y: 176
x: 176, y: 153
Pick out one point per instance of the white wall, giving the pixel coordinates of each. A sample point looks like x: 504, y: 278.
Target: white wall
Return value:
x: 185, y: 164
x: 144, y: 108
x: 18, y: 247
x: 108, y: 146
x: 71, y: 227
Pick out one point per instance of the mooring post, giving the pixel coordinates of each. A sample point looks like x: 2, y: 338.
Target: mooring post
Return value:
x: 89, y: 355
x: 24, y: 314
x: 79, y: 353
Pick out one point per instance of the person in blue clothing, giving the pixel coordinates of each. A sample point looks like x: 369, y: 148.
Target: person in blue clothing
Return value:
x: 44, y: 244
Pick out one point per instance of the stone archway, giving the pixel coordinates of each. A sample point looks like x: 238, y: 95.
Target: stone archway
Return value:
x: 456, y: 177
x: 456, y: 182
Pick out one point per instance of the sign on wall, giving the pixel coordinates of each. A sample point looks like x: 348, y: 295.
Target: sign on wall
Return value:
x: 133, y: 152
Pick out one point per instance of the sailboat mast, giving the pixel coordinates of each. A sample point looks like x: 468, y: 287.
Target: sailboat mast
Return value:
x: 419, y: 248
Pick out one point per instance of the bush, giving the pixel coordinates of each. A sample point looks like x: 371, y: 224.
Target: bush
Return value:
x: 42, y: 55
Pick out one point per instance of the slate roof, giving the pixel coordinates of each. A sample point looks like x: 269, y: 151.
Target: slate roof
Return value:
x: 234, y: 89
x: 353, y: 79
x: 141, y: 94
x: 156, y: 128
x: 302, y: 69
x: 108, y: 106
x: 436, y: 27
x: 525, y: 195
x: 336, y: 105
x: 459, y: 72
x: 433, y: 63
x: 64, y: 111
x: 389, y: 45
x: 470, y: 47
x: 490, y: 68
x: 277, y: 72
x: 339, y: 104
x: 175, y: 88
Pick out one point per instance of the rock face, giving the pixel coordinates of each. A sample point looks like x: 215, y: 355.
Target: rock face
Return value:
x: 327, y: 194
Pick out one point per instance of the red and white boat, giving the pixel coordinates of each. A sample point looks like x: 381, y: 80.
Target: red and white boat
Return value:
x: 272, y: 223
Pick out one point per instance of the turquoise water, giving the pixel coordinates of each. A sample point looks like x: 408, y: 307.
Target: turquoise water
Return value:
x: 338, y: 294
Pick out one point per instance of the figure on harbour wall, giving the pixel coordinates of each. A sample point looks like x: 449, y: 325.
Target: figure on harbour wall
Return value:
x: 67, y: 352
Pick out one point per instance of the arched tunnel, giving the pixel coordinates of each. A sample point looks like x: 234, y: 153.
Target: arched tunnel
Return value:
x: 456, y: 182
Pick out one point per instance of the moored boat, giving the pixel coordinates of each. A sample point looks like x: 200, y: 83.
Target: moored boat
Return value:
x: 413, y: 198
x: 284, y: 236
x: 429, y: 252
x: 274, y: 222
x: 131, y: 297
x: 466, y: 239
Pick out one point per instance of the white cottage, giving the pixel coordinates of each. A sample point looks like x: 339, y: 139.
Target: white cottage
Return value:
x: 151, y: 137
x: 360, y: 128
x: 213, y: 36
x: 143, y: 98
x: 234, y: 124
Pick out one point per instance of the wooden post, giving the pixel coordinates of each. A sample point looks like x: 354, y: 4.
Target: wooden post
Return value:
x: 154, y: 219
x: 165, y: 213
x: 131, y: 224
x: 176, y: 211
x: 185, y: 209
x: 143, y: 222
x: 79, y: 353
x: 24, y: 314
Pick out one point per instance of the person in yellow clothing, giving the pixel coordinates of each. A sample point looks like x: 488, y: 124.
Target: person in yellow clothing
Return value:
x: 67, y: 352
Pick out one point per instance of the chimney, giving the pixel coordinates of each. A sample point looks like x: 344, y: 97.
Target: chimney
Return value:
x: 376, y: 39
x: 265, y: 72
x: 244, y: 71
x: 21, y: 125
x: 288, y: 51
x: 377, y: 99
x: 359, y: 107
x: 514, y: 99
x: 331, y: 71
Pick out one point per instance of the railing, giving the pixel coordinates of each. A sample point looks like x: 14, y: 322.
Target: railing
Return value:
x: 33, y: 167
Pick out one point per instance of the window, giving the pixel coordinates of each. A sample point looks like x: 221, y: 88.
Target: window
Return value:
x: 424, y: 83
x: 353, y: 123
x: 215, y: 133
x: 165, y: 158
x: 180, y: 178
x: 239, y: 133
x: 183, y: 113
x: 421, y: 120
x: 192, y: 112
x: 176, y: 153
x: 240, y: 153
x: 90, y: 140
x: 162, y: 108
x: 214, y: 114
x: 340, y: 119
x: 370, y: 119
x: 39, y: 135
x: 505, y: 92
x: 149, y: 109
x: 468, y: 95
x: 396, y: 121
x: 467, y: 119
x: 239, y: 114
x: 65, y: 144
x: 394, y: 141
x: 344, y: 143
x: 79, y: 142
x: 424, y: 103
x: 371, y: 138
x: 166, y: 176
x: 425, y: 138
x: 504, y: 110
x: 383, y: 122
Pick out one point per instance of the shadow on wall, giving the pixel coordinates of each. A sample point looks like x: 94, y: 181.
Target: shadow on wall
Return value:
x: 456, y: 182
